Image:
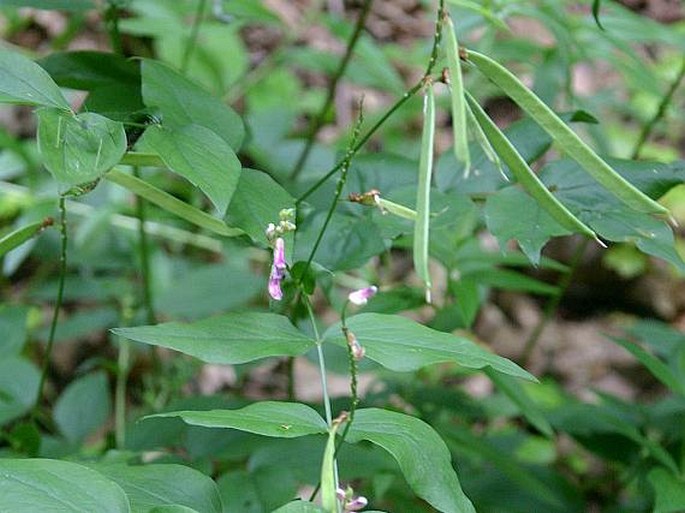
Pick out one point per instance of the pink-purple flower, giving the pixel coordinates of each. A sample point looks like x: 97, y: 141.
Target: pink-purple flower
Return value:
x: 361, y: 296
x: 349, y: 501
x: 278, y: 268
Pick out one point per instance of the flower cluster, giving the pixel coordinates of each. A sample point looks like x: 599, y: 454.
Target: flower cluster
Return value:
x: 349, y: 501
x: 274, y: 234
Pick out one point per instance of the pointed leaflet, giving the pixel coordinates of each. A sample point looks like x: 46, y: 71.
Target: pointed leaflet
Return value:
x: 199, y: 155
x: 228, y: 339
x: 266, y: 418
x: 24, y: 82
x: 183, y: 103
x: 78, y: 149
x: 31, y: 485
x: 401, y: 344
x: 421, y: 454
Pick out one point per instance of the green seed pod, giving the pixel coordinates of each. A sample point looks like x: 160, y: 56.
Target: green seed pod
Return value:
x: 461, y: 144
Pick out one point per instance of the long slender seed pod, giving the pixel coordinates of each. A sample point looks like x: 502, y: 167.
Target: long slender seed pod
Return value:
x: 461, y: 143
x: 567, y: 139
x: 329, y: 499
x: 421, y: 226
x: 23, y: 234
x: 525, y: 175
x: 483, y: 141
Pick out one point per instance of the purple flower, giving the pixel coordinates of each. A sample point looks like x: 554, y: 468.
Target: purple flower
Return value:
x: 278, y: 268
x: 361, y: 296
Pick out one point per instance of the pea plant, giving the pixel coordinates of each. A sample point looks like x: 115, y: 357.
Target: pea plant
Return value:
x: 186, y: 226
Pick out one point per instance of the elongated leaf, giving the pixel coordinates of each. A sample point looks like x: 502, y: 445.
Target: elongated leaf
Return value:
x: 232, y: 338
x: 658, y: 368
x: 78, y: 149
x: 422, y: 223
x: 23, y: 81
x: 155, y: 486
x: 459, y: 131
x: 401, y: 344
x: 172, y: 508
x: 88, y: 70
x: 596, y: 6
x: 83, y: 407
x: 564, y: 136
x: 171, y: 204
x: 31, y: 485
x: 266, y: 418
x: 421, y: 454
x: 524, y: 175
x: 183, y: 103
x: 299, y: 507
x: 21, y: 235
x: 18, y: 387
x: 669, y: 491
x: 199, y: 155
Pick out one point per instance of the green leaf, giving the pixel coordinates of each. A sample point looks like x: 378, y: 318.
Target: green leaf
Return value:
x: 199, y: 155
x: 171, y: 204
x: 658, y: 368
x: 78, y: 149
x: 182, y: 103
x: 20, y: 235
x: 83, y: 407
x: 31, y: 485
x: 669, y: 491
x: 172, y: 508
x: 62, y: 5
x: 150, y: 486
x: 267, y: 418
x: 421, y: 454
x: 299, y: 507
x: 18, y: 387
x: 22, y: 81
x: 533, y: 226
x: 256, y: 203
x: 596, y: 5
x: 13, y: 328
x: 228, y: 339
x: 88, y: 70
x: 401, y: 344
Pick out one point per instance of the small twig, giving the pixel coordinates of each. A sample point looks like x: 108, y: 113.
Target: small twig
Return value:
x: 318, y: 121
x: 660, y: 112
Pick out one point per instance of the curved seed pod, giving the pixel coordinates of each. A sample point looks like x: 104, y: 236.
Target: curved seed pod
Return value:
x: 461, y: 144
x: 329, y: 498
x: 525, y: 175
x: 421, y: 226
x: 483, y: 141
x: 19, y: 236
x: 564, y: 136
x: 396, y: 209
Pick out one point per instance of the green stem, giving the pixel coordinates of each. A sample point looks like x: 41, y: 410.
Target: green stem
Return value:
x: 123, y: 368
x: 405, y: 97
x: 553, y: 303
x: 660, y: 112
x: 58, y: 301
x: 145, y: 272
x: 322, y: 363
x: 318, y: 121
x: 194, y: 34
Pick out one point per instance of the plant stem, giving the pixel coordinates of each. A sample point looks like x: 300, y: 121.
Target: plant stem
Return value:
x: 58, y: 301
x: 405, y: 97
x: 145, y: 272
x: 322, y: 363
x: 553, y: 303
x: 120, y: 392
x: 195, y: 32
x: 660, y: 112
x: 318, y: 121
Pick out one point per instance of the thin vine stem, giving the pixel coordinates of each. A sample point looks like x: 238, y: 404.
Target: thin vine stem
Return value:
x: 660, y: 112
x: 394, y: 108
x: 318, y: 121
x: 322, y: 362
x: 58, y: 301
x: 144, y: 256
x: 194, y: 34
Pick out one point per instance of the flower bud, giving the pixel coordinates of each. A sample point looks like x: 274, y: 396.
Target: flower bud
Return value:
x: 361, y: 296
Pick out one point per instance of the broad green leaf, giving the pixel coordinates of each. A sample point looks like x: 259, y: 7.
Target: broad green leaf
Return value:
x: 659, y: 369
x: 171, y: 204
x: 23, y: 81
x: 18, y: 387
x: 31, y: 485
x: 533, y: 226
x: 157, y: 485
x: 79, y: 148
x: 228, y: 339
x: 183, y: 103
x: 266, y: 418
x: 257, y: 201
x: 173, y: 508
x: 199, y: 155
x: 669, y: 491
x: 421, y: 454
x: 21, y: 235
x: 299, y: 507
x: 83, y: 407
x: 401, y: 344
x: 88, y: 70
x: 13, y: 328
